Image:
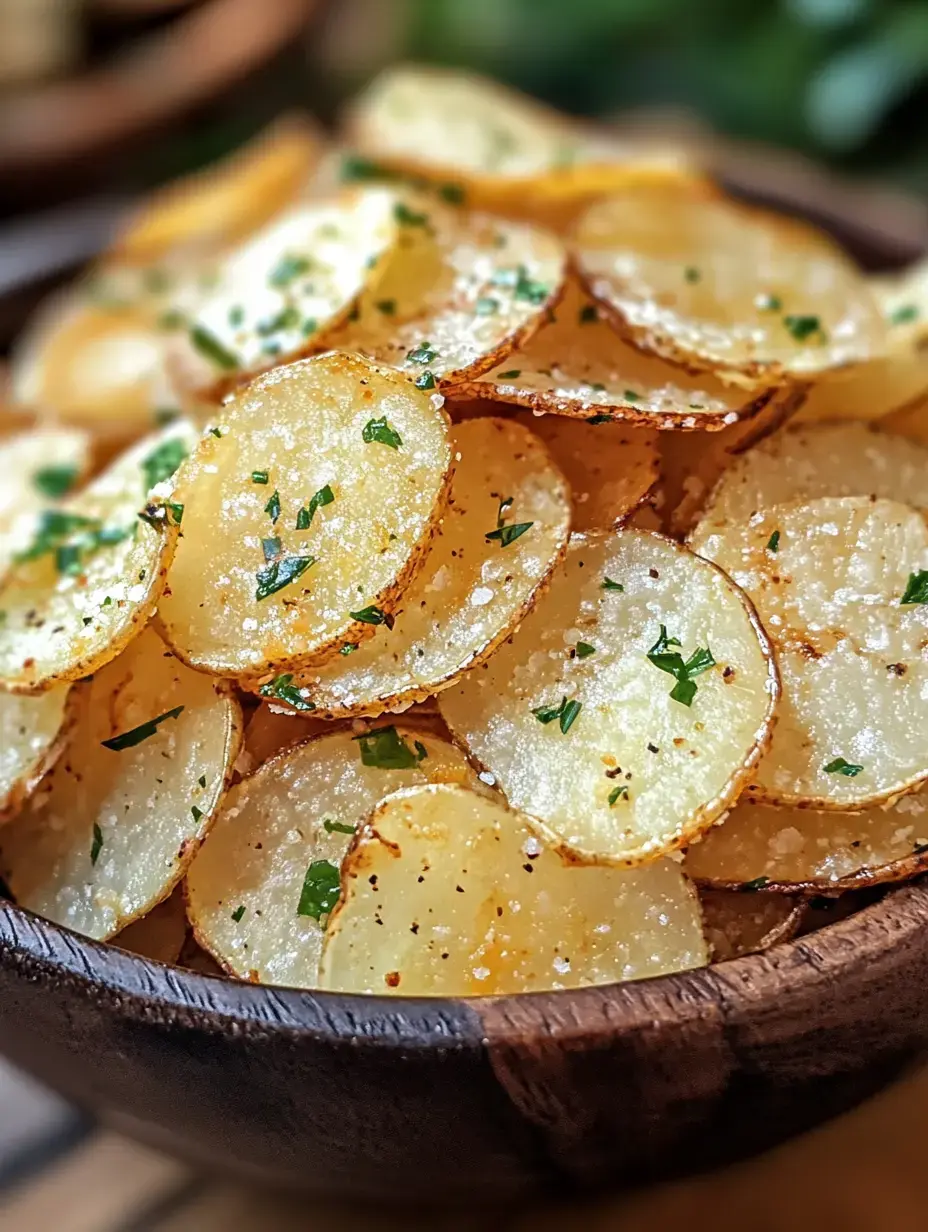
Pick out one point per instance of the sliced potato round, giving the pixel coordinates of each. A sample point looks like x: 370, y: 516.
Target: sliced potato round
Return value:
x: 269, y: 873
x: 459, y: 295
x: 808, y: 849
x: 505, y: 528
x: 159, y: 935
x: 286, y: 287
x: 612, y: 468
x: 500, y: 148
x: 806, y: 462
x: 738, y: 923
x: 620, y: 756
x: 32, y: 734
x: 711, y: 284
x: 578, y: 365
x: 840, y: 586
x: 38, y: 468
x: 97, y: 355
x: 119, y: 818
x: 94, y: 571
x: 693, y: 463
x: 307, y: 512
x: 448, y: 893
x: 227, y: 201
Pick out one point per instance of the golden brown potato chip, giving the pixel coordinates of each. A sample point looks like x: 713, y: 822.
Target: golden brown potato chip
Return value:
x: 713, y: 285
x: 260, y: 886
x: 840, y: 585
x: 32, y: 734
x: 118, y: 820
x: 805, y: 849
x: 449, y: 893
x: 94, y: 570
x: 308, y: 510
x: 505, y: 528
x: 632, y: 706
x: 738, y: 923
x: 228, y: 200
x: 287, y: 287
x: 458, y: 295
x: 491, y: 146
x: 578, y: 365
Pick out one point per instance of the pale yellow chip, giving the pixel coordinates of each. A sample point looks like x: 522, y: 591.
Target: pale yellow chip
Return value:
x: 94, y: 571
x: 499, y: 149
x: 32, y: 734
x: 286, y: 288
x: 612, y: 468
x: 448, y: 893
x: 458, y: 295
x: 578, y: 365
x: 271, y: 851
x: 711, y: 284
x: 505, y: 528
x: 227, y: 201
x: 98, y: 354
x: 38, y: 468
x: 807, y: 849
x: 159, y: 935
x: 117, y: 822
x: 307, y: 512
x: 806, y: 462
x: 829, y: 578
x: 738, y: 923
x: 578, y: 725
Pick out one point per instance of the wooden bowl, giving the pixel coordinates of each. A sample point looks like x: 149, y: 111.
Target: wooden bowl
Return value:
x: 476, y: 1101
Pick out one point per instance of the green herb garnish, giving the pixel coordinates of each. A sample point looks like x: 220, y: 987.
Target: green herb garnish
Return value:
x: 304, y: 518
x: 748, y: 887
x: 162, y: 462
x: 802, y: 327
x: 286, y: 269
x: 380, y: 431
x: 272, y: 508
x: 510, y: 375
x: 407, y: 217
x: 486, y: 306
x: 425, y: 380
x: 904, y: 314
x: 386, y: 749
x: 608, y: 584
x: 280, y: 573
x: 321, y: 888
x: 212, y: 349
x: 282, y: 688
x: 129, y: 739
x: 587, y: 314
x: 422, y: 354
x: 97, y: 845
x: 840, y: 766
x: 338, y: 827
x: 584, y: 650
x: 692, y: 274
x: 916, y: 588
x: 55, y: 481
x: 773, y: 543
x: 238, y: 913
x: 196, y: 813
x: 617, y: 793
x: 672, y: 662
x: 565, y: 713
x: 372, y: 616
x: 259, y: 476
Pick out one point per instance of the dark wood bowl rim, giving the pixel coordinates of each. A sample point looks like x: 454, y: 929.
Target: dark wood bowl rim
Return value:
x: 142, y: 989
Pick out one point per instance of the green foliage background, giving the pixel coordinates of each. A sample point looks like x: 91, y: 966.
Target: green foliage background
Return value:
x: 844, y: 80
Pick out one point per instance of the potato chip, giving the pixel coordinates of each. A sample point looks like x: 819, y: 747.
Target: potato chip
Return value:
x: 807, y: 849
x: 612, y: 468
x: 506, y: 527
x: 227, y: 201
x: 448, y: 893
x: 711, y: 284
x: 737, y: 923
x: 578, y: 365
x: 95, y: 569
x: 39, y: 468
x: 491, y: 146
x: 632, y: 706
x: 286, y: 287
x: 840, y: 585
x: 459, y: 295
x: 260, y: 886
x: 804, y: 463
x: 308, y: 510
x: 120, y: 817
x: 161, y: 934
x: 32, y: 735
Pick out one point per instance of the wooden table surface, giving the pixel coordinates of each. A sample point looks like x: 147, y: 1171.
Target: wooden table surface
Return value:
x: 59, y: 1173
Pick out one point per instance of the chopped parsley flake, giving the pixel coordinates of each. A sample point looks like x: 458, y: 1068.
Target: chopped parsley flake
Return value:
x: 768, y: 303
x: 904, y: 314
x: 380, y: 431
x: 692, y: 274
x: 354, y: 167
x: 523, y: 287
x: 304, y: 518
x: 584, y: 650
x: 425, y: 380
x: 840, y: 766
x: 618, y: 793
x: 599, y: 419
x: 509, y: 534
x: 321, y: 888
x: 348, y: 648
x: 282, y: 688
x: 372, y: 616
x: 565, y: 713
x: 238, y: 913
x: 486, y: 306
x: 386, y: 306
x: 672, y: 662
x: 236, y: 315
x: 129, y: 739
x: 272, y: 508
x: 338, y: 827
x: 162, y: 462
x: 271, y: 548
x: 97, y: 845
x: 510, y: 375
x: 454, y: 194
x: 916, y: 588
x: 407, y: 217
x: 202, y: 780
x: 280, y: 573
x: 802, y: 327
x: 196, y: 813
x: 212, y: 349
x: 385, y: 749
x: 748, y: 887
x: 286, y: 269
x: 608, y: 584
x: 422, y: 354
x: 259, y: 476
x: 773, y: 543
x: 55, y: 481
